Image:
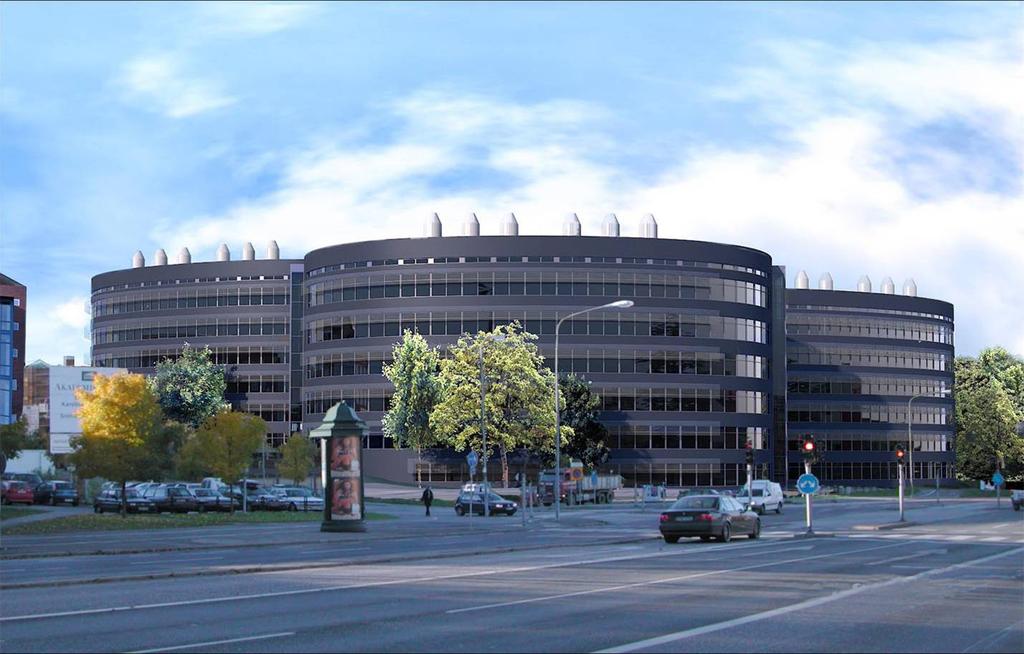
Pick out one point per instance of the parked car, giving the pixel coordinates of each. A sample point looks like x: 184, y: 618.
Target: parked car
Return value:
x: 258, y: 499
x: 56, y: 492
x: 175, y: 499
x: 764, y: 496
x: 110, y: 500
x: 30, y: 478
x: 297, y: 498
x: 210, y: 500
x: 473, y: 501
x: 17, y: 492
x: 708, y: 516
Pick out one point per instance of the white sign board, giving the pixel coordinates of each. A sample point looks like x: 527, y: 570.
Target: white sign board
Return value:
x: 63, y: 403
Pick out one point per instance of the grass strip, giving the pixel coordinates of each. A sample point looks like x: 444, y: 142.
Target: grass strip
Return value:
x: 113, y: 522
x: 11, y: 512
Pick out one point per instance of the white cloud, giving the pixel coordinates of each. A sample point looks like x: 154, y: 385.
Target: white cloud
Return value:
x: 57, y: 326
x: 252, y: 18
x: 159, y: 82
x: 834, y: 197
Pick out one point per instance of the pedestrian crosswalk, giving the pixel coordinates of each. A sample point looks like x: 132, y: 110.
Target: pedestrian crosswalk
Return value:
x: 1015, y: 539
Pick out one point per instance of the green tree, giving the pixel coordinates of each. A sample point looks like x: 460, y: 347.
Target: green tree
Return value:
x: 989, y: 394
x: 13, y: 439
x: 297, y: 456
x: 414, y: 374
x: 122, y: 431
x: 579, y: 412
x: 226, y: 443
x: 519, y: 395
x: 190, y: 388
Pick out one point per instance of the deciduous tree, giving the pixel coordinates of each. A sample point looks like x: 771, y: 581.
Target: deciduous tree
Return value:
x: 225, y: 444
x: 519, y: 395
x: 414, y: 374
x: 122, y: 431
x: 579, y: 412
x: 297, y: 456
x: 190, y: 388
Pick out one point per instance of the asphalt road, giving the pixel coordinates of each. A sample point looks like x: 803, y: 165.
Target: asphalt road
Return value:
x: 953, y: 583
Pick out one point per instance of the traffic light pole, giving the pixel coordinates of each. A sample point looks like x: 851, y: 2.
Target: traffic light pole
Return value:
x: 899, y: 468
x: 750, y: 485
x: 807, y: 499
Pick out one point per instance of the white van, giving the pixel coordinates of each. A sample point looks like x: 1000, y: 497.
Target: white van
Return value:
x: 766, y: 496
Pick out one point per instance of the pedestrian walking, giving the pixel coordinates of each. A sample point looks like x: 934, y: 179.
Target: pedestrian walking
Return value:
x: 427, y: 498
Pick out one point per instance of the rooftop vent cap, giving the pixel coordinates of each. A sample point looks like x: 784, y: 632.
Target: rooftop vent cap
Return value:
x: 802, y: 280
x: 471, y: 226
x: 248, y: 252
x: 184, y: 256
x: 509, y: 225
x: 864, y: 285
x: 648, y: 226
x: 910, y: 288
x: 888, y: 287
x: 138, y: 260
x: 825, y: 283
x: 571, y: 225
x: 223, y: 253
x: 432, y: 226
x: 160, y: 258
x: 610, y: 225
x: 273, y: 252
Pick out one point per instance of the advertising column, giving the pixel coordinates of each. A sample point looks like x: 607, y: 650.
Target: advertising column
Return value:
x: 341, y: 436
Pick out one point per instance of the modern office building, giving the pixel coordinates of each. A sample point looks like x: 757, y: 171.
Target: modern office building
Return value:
x: 867, y: 371
x: 242, y: 309
x: 687, y: 376
x: 13, y: 297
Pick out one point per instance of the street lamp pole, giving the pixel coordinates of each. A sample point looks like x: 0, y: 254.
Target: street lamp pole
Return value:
x: 910, y: 438
x: 557, y: 488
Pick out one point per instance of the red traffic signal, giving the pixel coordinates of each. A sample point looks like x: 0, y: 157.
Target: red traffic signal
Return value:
x: 808, y: 445
x: 901, y: 452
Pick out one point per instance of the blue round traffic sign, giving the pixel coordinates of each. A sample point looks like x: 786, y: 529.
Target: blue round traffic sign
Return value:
x: 997, y: 479
x: 807, y: 484
x: 471, y: 459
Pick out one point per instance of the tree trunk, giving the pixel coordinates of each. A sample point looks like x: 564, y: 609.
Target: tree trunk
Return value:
x: 504, y: 465
x: 419, y: 466
x: 231, y: 497
x: 124, y: 499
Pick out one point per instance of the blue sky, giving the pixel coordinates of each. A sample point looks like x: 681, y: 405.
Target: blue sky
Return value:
x: 856, y: 138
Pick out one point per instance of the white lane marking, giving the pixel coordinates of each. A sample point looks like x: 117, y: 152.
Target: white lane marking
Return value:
x: 904, y: 558
x: 375, y: 584
x: 818, y: 601
x: 993, y: 539
x: 196, y: 559
x: 1001, y: 525
x: 213, y: 642
x: 667, y: 580
x: 959, y: 537
x: 912, y: 567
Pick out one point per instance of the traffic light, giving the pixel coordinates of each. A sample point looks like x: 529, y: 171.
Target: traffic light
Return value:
x: 750, y: 453
x: 901, y: 453
x: 808, y: 447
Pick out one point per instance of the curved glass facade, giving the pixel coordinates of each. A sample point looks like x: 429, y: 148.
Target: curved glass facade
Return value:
x: 854, y: 361
x: 240, y: 309
x: 683, y: 376
x: 716, y: 351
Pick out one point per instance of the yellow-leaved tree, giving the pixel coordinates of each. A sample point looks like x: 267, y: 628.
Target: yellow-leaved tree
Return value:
x: 122, y: 431
x: 297, y: 457
x: 225, y: 444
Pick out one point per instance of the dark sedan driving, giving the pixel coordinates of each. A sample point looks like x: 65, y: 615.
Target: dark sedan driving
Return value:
x: 708, y: 516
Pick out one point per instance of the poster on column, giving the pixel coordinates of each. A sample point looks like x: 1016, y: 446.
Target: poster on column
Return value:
x: 346, y: 490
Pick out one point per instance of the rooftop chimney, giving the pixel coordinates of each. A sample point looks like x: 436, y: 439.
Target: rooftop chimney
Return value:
x: 610, y: 225
x: 825, y: 283
x: 223, y: 253
x: 248, y: 252
x: 888, y: 287
x: 571, y: 225
x: 471, y: 226
x: 138, y: 261
x: 273, y: 252
x: 160, y: 258
x: 802, y: 280
x: 509, y: 225
x: 184, y: 256
x: 864, y: 285
x: 432, y: 226
x: 648, y: 226
x: 910, y: 288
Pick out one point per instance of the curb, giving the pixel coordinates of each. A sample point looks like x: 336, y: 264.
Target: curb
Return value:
x: 885, y: 526
x: 253, y: 569
x: 816, y: 534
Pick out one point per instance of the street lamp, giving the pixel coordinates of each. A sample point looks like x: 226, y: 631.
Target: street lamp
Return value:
x: 494, y: 338
x: 618, y: 304
x: 910, y: 436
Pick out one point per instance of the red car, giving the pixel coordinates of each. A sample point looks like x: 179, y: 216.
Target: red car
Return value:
x: 18, y: 491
